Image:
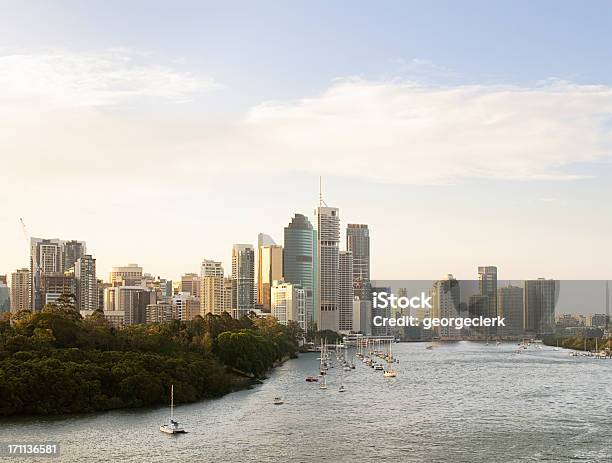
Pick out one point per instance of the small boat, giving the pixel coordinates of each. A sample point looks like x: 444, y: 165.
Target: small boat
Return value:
x: 390, y: 374
x: 378, y: 367
x: 278, y: 401
x: 173, y: 427
x: 341, y: 388
x: 429, y: 347
x: 312, y: 379
x: 498, y: 343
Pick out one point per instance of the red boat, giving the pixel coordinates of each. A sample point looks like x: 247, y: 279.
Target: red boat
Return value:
x: 312, y: 379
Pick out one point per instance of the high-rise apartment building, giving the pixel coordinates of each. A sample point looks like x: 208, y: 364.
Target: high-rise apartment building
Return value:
x: 510, y: 306
x: 540, y: 297
x: 86, y: 283
x: 211, y: 288
x: 299, y: 261
x: 20, y: 290
x: 269, y: 269
x: 243, y: 279
x: 288, y: 303
x: 358, y: 242
x: 345, y: 288
x: 328, y: 240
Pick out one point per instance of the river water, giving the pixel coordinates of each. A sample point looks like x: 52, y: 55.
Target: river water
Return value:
x: 458, y: 402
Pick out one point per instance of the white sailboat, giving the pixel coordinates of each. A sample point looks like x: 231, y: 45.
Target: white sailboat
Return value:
x: 173, y: 427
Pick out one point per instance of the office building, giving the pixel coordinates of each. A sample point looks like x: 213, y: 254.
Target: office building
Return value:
x: 487, y: 286
x: 362, y: 316
x: 510, y: 306
x: 445, y: 303
x: 299, y: 261
x: 345, y: 288
x: 328, y: 239
x: 130, y: 275
x: 127, y: 305
x: 358, y: 242
x: 269, y: 269
x: 540, y: 298
x: 190, y: 283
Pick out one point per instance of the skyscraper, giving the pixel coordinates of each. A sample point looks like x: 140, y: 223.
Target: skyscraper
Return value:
x: 446, y: 297
x: 328, y: 239
x: 358, y: 242
x: 299, y: 260
x: 510, y: 306
x: 211, y: 288
x: 540, y: 298
x: 487, y: 285
x: 269, y: 269
x: 243, y: 279
x: 86, y: 283
x: 20, y: 290
x: 345, y: 287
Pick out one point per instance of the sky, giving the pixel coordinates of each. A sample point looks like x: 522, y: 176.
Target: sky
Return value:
x: 463, y: 133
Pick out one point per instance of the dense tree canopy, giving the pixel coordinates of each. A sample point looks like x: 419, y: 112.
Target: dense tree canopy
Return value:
x: 55, y: 361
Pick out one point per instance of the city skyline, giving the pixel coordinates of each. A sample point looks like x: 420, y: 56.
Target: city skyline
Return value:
x: 444, y: 144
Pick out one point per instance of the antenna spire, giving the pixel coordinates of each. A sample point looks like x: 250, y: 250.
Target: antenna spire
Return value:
x: 321, y: 202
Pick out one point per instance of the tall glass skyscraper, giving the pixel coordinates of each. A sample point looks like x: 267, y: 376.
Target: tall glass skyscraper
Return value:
x: 299, y: 260
x: 358, y: 242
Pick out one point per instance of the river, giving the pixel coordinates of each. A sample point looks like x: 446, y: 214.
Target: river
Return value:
x: 459, y: 402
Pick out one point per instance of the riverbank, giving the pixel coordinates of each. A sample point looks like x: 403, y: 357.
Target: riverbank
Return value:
x: 55, y: 363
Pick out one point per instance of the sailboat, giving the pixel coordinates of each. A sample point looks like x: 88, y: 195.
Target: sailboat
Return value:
x: 173, y: 427
x: 389, y: 372
x: 323, y: 385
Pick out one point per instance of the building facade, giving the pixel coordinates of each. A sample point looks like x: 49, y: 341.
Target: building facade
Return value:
x: 346, y: 291
x: 299, y: 261
x: 358, y: 242
x: 288, y: 303
x: 328, y: 240
x: 243, y: 279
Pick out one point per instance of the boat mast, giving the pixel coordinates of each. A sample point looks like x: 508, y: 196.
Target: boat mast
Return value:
x: 172, y: 402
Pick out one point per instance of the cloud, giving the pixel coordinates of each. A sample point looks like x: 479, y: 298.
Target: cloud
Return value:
x: 110, y: 77
x: 383, y: 131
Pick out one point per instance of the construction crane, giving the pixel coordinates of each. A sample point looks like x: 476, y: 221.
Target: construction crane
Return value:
x: 33, y: 262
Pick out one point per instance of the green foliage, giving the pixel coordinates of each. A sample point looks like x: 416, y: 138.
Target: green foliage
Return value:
x: 55, y: 362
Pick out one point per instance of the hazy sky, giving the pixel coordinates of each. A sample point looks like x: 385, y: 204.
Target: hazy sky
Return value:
x: 464, y: 133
